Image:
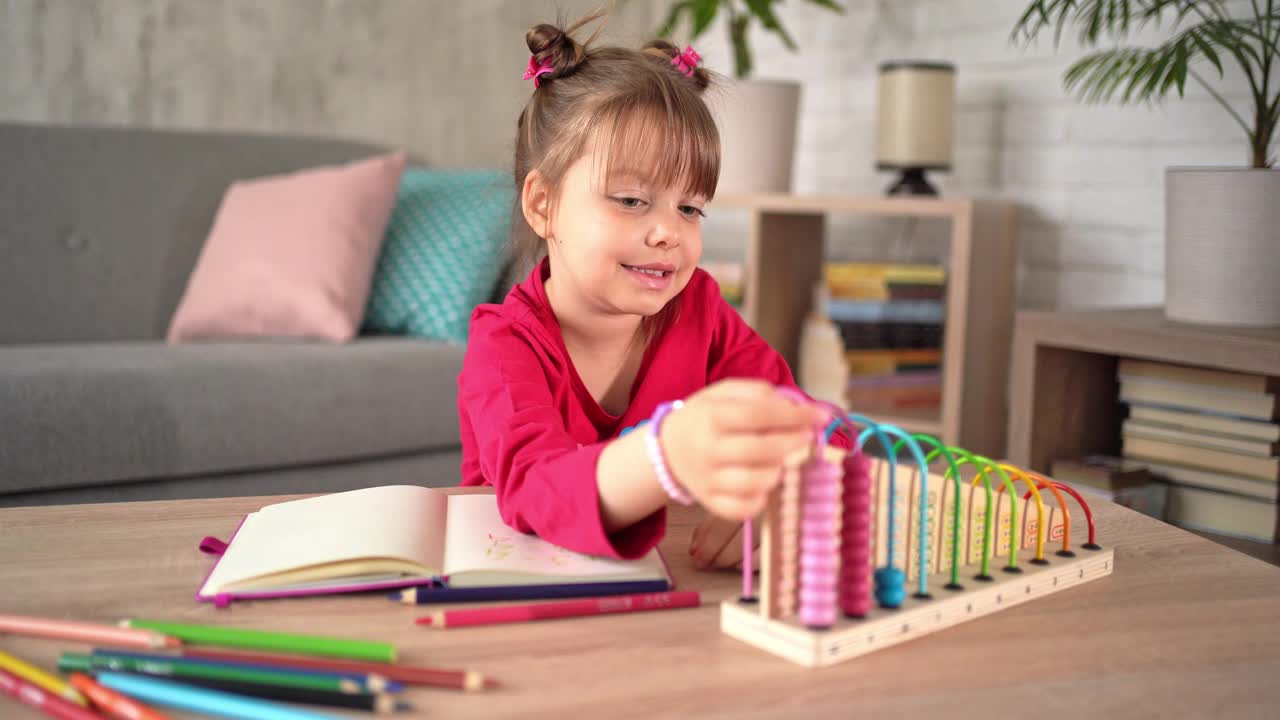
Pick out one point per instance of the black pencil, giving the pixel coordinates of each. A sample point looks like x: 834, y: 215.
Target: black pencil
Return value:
x: 372, y: 702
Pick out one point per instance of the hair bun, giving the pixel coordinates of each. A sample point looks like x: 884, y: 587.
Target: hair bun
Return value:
x: 667, y: 52
x: 548, y: 42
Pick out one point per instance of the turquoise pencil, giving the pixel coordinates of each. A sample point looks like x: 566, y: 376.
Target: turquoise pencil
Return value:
x: 201, y: 700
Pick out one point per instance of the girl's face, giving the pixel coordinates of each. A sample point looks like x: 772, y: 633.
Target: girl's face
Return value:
x: 620, y: 244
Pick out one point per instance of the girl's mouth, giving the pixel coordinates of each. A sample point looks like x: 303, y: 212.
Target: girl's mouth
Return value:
x: 654, y: 277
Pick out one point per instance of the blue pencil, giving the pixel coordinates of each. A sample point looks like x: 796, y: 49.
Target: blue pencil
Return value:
x: 201, y: 700
x: 366, y: 682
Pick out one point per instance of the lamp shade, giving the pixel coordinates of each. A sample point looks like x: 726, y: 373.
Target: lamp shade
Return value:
x: 916, y: 111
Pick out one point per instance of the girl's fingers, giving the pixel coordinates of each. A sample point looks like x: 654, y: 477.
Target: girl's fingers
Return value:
x: 736, y: 507
x: 720, y: 535
x: 769, y: 413
x: 740, y: 481
x: 769, y: 450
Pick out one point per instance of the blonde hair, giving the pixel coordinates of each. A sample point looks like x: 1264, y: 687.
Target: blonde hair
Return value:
x: 633, y: 102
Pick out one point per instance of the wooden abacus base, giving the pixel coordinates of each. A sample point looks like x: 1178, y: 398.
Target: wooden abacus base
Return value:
x: 850, y: 638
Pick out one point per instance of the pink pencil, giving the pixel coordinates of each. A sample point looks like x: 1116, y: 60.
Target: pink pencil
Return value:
x: 88, y: 633
x: 46, y: 702
x: 562, y: 609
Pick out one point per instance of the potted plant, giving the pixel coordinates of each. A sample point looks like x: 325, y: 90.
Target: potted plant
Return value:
x: 1222, y: 225
x: 757, y: 117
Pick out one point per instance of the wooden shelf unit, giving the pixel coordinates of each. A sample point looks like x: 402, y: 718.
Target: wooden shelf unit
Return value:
x: 785, y: 257
x: 1063, y: 399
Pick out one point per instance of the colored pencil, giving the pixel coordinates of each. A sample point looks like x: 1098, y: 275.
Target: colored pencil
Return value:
x: 88, y: 633
x: 45, y: 702
x: 202, y: 700
x: 267, y: 640
x: 431, y: 677
x: 113, y: 703
x: 562, y: 609
x: 37, y: 676
x: 69, y: 662
x: 373, y: 702
x: 364, y: 681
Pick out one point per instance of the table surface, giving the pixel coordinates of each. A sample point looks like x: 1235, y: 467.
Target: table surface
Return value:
x: 1183, y: 628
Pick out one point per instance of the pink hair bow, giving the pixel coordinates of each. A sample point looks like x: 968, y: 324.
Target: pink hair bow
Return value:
x: 686, y: 61
x: 535, y: 69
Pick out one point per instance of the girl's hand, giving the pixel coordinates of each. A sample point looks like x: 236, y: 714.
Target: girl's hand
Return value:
x: 727, y: 445
x: 717, y: 544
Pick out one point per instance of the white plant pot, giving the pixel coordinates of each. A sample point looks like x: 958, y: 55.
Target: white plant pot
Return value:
x: 757, y: 121
x: 1222, y: 246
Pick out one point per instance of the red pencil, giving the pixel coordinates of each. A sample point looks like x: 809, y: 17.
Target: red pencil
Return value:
x: 45, y: 702
x: 113, y: 703
x: 565, y: 608
x: 458, y: 679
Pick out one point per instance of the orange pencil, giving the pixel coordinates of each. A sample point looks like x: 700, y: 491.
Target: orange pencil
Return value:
x: 113, y: 703
x: 89, y: 633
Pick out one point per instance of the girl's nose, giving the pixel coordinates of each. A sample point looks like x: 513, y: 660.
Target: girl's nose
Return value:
x: 663, y: 234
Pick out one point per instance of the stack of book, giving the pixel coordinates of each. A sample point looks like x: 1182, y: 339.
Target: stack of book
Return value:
x: 891, y: 317
x: 1213, y: 436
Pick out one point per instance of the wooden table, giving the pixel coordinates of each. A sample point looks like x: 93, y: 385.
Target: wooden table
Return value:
x: 1183, y: 628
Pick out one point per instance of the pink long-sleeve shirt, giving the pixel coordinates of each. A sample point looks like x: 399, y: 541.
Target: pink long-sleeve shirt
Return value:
x: 532, y: 429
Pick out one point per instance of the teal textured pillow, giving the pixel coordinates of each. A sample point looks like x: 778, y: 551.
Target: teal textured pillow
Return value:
x: 445, y: 248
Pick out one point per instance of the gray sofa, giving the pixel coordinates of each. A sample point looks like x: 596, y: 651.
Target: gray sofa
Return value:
x: 99, y: 230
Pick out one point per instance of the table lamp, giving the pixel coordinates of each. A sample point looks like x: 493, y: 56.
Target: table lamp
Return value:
x: 914, y: 134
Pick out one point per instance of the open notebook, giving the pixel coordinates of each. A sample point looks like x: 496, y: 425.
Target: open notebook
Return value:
x: 400, y: 536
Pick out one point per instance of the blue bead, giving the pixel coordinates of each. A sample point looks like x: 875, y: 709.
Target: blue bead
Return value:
x: 637, y: 426
x: 889, y: 587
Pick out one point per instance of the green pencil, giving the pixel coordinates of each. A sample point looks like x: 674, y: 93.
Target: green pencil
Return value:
x: 73, y: 662
x: 265, y: 640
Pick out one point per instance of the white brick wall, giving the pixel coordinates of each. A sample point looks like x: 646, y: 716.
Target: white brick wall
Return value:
x: 1089, y: 178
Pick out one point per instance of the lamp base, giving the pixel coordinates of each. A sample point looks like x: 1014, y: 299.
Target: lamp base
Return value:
x: 912, y: 182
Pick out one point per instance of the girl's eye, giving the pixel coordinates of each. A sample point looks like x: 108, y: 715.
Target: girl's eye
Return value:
x: 629, y: 202
x: 691, y: 211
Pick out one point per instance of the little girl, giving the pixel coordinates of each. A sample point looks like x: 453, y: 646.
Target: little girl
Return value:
x: 617, y: 329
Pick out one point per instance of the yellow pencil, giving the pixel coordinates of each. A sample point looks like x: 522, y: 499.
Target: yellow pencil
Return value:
x: 36, y: 676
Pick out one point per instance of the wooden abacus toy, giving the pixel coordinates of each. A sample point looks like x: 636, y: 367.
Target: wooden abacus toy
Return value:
x: 823, y: 548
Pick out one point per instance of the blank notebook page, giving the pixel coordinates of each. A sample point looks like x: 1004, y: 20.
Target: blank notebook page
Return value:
x: 399, y: 521
x: 478, y: 540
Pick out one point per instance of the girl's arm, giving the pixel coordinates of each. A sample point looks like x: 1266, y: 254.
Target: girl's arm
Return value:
x: 545, y: 481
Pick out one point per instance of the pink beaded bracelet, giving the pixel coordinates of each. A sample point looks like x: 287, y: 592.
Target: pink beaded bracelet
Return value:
x: 668, y: 483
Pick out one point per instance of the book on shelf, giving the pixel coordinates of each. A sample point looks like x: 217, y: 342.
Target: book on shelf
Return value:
x: 1212, y: 392
x: 884, y: 281
x: 1212, y: 436
x: 895, y: 392
x: 1206, y: 378
x: 890, y: 335
x: 1223, y: 513
x: 885, y: 361
x: 1142, y: 448
x: 1124, y: 482
x: 924, y: 312
x: 1191, y: 421
x: 1199, y: 439
x: 1268, y: 490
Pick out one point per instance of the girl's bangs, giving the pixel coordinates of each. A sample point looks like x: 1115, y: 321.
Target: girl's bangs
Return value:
x: 664, y: 145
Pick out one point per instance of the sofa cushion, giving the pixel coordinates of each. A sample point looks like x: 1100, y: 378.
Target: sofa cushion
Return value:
x: 84, y: 414
x: 291, y: 255
x: 445, y: 251
x: 89, y: 213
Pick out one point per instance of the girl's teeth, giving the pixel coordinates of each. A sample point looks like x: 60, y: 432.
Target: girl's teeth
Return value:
x: 646, y: 271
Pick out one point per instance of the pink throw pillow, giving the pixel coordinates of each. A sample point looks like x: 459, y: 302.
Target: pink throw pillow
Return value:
x: 291, y: 255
